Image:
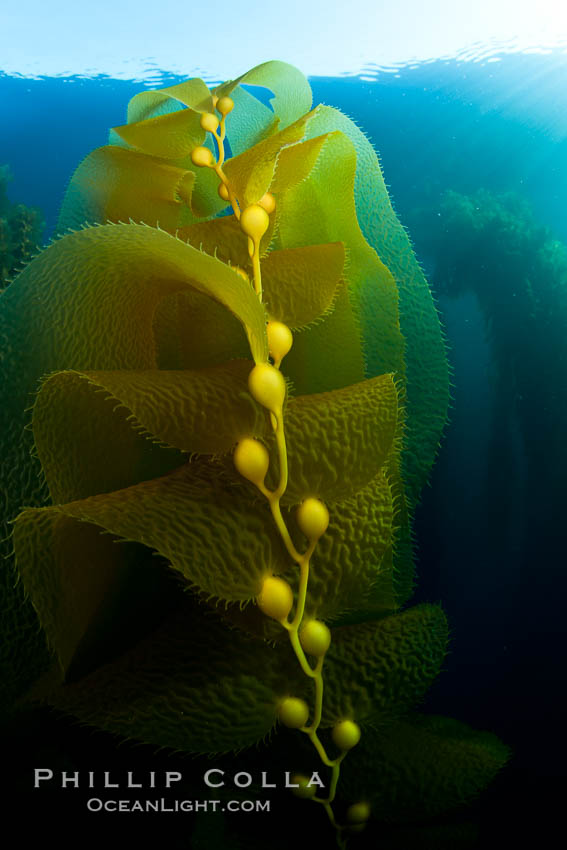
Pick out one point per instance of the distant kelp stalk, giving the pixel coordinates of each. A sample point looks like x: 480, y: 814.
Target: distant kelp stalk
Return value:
x: 21, y: 229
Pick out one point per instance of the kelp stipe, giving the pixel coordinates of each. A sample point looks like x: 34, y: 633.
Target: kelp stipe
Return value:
x: 235, y: 382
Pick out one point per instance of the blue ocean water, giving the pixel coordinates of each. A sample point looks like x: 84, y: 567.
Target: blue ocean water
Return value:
x: 490, y: 526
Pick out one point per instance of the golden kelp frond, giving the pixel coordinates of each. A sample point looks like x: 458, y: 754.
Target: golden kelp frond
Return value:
x: 193, y: 93
x: 153, y: 512
x: 117, y: 182
x: 87, y: 442
x: 321, y: 209
x: 353, y: 569
x: 300, y: 284
x: 339, y: 440
x: 425, y: 354
x: 251, y: 172
x: 187, y: 692
x: 62, y: 556
x: 107, y: 187
x: 192, y: 331
x: 354, y: 427
x: 191, y: 685
x: 118, y: 293
x: 221, y: 544
x: 329, y: 356
x: 172, y: 136
x: 116, y: 425
x: 296, y: 162
x: 349, y: 568
x: 220, y: 237
x: 250, y: 122
x: 402, y: 657
x: 292, y: 93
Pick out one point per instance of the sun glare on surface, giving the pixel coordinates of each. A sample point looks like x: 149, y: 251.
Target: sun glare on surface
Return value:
x: 69, y: 39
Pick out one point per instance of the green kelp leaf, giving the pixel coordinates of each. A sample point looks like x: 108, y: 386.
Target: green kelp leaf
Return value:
x: 321, y: 209
x: 338, y: 441
x: 224, y: 238
x: 158, y: 127
x: 426, y: 360
x: 375, y: 672
x: 96, y: 431
x: 251, y: 172
x: 162, y: 135
x: 300, y: 284
x: 421, y: 767
x: 94, y: 597
x: 171, y: 136
x: 114, y: 278
x: 193, y: 93
x: 106, y: 186
x: 215, y: 534
x: 348, y: 571
x: 218, y: 536
x: 86, y: 302
x: 168, y: 193
x: 330, y: 355
x: 192, y: 685
x: 193, y: 332
x: 317, y: 210
x: 292, y: 93
x: 86, y: 443
x: 155, y: 130
x: 296, y: 162
x: 205, y: 199
x: 402, y: 551
x: 65, y: 604
x: 249, y: 122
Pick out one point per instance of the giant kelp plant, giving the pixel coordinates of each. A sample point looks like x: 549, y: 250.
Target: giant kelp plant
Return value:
x: 233, y: 389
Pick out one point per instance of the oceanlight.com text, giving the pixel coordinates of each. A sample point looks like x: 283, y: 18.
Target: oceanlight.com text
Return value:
x: 95, y: 804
